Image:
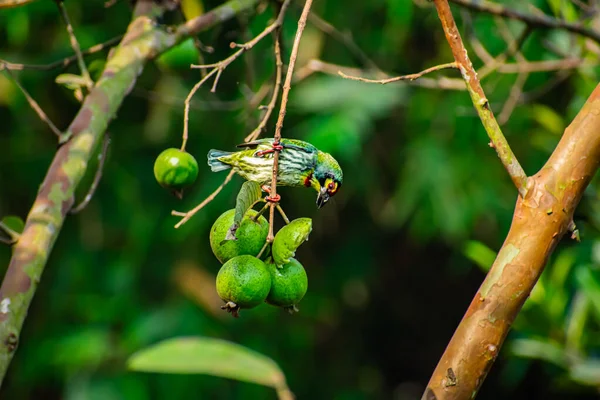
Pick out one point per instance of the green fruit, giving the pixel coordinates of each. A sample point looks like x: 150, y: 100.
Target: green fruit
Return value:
x: 175, y: 169
x: 288, y: 284
x: 251, y: 236
x: 243, y: 282
x: 289, y: 238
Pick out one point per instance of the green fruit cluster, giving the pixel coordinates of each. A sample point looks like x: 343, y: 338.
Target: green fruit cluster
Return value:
x: 244, y: 280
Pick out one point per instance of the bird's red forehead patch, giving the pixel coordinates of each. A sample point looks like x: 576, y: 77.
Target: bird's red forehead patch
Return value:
x: 308, y: 179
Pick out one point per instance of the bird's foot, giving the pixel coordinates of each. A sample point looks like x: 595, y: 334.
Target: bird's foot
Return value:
x: 276, y: 146
x: 269, y: 198
x: 273, y: 199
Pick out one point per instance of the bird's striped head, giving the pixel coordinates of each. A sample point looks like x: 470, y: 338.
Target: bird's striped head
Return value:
x: 327, y: 178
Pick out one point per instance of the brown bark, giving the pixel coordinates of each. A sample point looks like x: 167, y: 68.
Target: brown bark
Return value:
x: 540, y: 220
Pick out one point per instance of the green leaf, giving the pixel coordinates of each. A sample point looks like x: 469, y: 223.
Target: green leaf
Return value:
x: 216, y: 357
x: 289, y: 238
x: 480, y: 254
x: 13, y: 223
x: 249, y: 194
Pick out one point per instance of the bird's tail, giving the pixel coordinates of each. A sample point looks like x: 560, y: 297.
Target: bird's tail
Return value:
x: 215, y: 164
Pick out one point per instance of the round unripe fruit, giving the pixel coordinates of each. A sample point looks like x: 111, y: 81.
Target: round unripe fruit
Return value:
x: 251, y: 236
x: 175, y: 169
x: 288, y: 284
x: 243, y: 281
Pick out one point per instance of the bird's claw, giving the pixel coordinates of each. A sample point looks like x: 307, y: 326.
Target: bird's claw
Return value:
x: 269, y: 198
x: 273, y: 199
x: 276, y: 146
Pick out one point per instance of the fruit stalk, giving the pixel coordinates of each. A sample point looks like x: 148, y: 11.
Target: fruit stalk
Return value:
x: 143, y: 41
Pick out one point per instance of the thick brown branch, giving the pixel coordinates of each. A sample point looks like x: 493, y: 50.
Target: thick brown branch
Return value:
x: 480, y: 101
x: 536, y: 21
x: 540, y: 220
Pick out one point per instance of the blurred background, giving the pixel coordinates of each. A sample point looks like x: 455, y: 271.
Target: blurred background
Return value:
x: 393, y: 260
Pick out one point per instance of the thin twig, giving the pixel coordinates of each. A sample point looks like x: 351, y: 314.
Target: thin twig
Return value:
x: 75, y: 45
x: 282, y: 213
x: 13, y: 237
x: 217, y: 68
x: 480, y: 101
x: 540, y: 20
x: 287, y: 85
x: 255, y: 133
x: 315, y: 65
x: 65, y: 62
x: 186, y: 216
x: 34, y: 105
x: 410, y: 77
x: 186, y: 109
x: 101, y: 160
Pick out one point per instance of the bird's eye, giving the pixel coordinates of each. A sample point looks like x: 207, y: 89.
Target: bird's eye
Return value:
x: 332, y: 187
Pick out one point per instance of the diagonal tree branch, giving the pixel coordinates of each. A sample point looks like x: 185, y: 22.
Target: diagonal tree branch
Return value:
x: 535, y: 21
x: 480, y: 101
x: 540, y: 220
x: 143, y: 41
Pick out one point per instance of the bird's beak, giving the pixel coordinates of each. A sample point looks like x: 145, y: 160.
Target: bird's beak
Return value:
x: 323, y: 197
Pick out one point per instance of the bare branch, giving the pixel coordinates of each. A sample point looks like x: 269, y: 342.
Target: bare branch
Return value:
x: 410, y: 77
x: 187, y: 215
x: 480, y: 101
x: 97, y: 177
x: 334, y: 69
x: 217, y: 68
x: 252, y: 136
x: 34, y: 105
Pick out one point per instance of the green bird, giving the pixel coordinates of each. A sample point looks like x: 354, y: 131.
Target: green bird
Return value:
x: 300, y: 164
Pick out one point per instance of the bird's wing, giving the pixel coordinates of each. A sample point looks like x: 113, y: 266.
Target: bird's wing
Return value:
x: 287, y: 143
x: 299, y: 145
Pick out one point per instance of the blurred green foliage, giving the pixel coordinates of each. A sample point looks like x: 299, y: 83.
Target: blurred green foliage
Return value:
x: 392, y: 261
